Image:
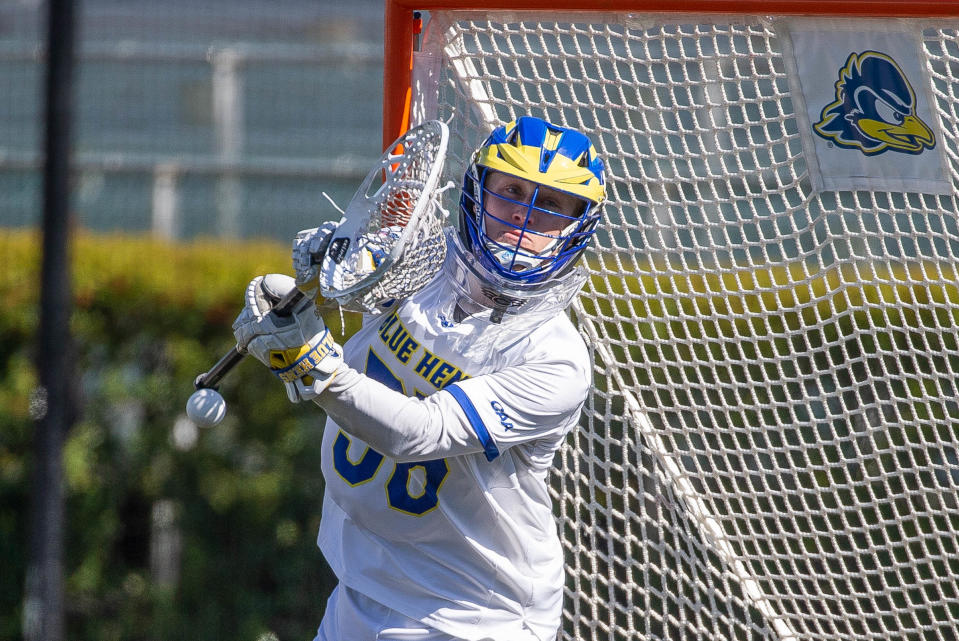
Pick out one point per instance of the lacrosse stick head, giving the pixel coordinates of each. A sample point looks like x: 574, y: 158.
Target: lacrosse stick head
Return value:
x: 390, y: 241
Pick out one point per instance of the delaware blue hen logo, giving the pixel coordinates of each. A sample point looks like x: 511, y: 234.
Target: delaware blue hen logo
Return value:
x: 875, y: 109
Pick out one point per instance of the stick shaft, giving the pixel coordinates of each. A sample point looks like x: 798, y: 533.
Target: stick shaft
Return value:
x: 211, y: 378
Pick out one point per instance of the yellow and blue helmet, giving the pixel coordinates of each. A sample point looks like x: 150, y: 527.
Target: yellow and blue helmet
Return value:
x: 532, y: 197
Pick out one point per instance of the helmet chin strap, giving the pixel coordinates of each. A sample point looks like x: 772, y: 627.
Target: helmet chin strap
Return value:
x: 513, y: 259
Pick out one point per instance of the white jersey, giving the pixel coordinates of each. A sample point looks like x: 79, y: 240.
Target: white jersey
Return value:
x: 466, y: 544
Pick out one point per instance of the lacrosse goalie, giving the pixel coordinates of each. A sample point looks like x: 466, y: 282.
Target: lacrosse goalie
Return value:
x: 446, y: 408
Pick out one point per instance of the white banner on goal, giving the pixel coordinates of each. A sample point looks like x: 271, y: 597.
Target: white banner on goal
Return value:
x: 868, y: 102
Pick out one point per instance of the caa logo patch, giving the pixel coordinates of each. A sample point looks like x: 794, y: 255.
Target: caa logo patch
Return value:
x: 875, y: 109
x: 501, y: 413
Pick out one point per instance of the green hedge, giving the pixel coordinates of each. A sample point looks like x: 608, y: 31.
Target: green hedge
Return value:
x: 244, y: 496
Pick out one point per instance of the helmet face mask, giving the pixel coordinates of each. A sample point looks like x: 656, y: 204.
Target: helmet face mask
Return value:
x: 480, y: 290
x: 531, y: 200
x: 526, y: 228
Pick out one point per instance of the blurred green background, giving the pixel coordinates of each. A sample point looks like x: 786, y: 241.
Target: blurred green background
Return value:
x: 174, y: 532
x: 204, y: 136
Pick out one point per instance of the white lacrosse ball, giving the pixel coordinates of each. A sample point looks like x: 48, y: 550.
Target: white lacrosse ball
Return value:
x: 206, y: 407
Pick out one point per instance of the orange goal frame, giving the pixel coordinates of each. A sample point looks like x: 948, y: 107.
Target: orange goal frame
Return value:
x: 402, y: 26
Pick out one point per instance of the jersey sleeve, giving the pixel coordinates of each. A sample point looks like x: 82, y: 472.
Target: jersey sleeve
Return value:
x: 540, y: 397
x: 404, y: 428
x: 543, y: 397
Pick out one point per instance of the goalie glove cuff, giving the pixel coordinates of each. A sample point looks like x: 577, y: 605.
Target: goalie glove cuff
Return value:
x: 307, y: 388
x: 322, y: 356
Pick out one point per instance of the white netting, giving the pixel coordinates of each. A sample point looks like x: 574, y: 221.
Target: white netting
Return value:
x: 771, y: 448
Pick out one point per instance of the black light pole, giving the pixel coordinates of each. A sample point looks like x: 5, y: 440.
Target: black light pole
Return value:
x: 43, y: 616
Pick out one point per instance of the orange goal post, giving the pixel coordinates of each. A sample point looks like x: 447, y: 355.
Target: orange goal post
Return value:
x: 771, y: 447
x: 401, y: 24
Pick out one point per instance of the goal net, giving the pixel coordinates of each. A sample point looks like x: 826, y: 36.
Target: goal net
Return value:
x: 771, y: 450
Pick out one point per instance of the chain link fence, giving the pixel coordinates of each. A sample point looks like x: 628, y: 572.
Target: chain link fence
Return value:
x: 218, y: 119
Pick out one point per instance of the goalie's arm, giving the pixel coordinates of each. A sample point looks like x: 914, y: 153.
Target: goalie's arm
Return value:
x: 402, y: 427
x: 480, y: 414
x: 298, y: 348
x: 484, y: 414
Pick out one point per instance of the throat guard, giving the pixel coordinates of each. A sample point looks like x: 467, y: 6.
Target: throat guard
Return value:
x: 482, y: 292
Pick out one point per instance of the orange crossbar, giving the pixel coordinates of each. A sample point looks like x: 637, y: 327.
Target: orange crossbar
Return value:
x: 398, y: 40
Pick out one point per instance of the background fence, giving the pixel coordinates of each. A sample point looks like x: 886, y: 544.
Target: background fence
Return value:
x: 213, y: 118
x: 218, y: 118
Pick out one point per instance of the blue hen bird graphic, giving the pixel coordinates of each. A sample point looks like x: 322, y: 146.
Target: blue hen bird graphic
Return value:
x: 875, y: 109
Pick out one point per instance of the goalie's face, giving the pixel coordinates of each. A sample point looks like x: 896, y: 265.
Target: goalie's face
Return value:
x: 524, y: 217
x: 526, y: 226
x: 531, y: 200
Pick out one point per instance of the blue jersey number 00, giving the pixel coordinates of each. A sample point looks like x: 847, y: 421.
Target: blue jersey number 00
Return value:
x: 412, y: 487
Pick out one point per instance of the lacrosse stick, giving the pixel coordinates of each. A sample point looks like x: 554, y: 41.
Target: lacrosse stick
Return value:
x: 390, y: 241
x: 388, y: 245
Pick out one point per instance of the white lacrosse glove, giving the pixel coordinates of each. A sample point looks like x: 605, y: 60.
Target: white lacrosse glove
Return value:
x: 376, y: 246
x: 298, y: 348
x: 346, y: 264
x: 309, y: 246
